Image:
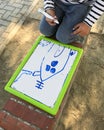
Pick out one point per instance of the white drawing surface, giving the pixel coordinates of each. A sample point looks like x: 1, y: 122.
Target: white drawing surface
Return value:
x: 45, y: 72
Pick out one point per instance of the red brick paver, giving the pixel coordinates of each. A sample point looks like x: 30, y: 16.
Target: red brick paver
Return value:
x: 20, y: 115
x: 9, y: 122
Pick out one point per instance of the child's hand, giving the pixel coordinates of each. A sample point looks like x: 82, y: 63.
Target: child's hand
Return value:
x: 52, y: 13
x: 82, y: 29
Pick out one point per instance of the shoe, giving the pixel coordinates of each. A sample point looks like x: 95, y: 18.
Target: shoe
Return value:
x: 52, y: 37
x: 77, y: 44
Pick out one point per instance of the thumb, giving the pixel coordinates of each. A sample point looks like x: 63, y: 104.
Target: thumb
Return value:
x: 76, y: 26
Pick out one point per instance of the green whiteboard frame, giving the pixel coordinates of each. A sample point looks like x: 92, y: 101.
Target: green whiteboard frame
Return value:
x: 54, y: 110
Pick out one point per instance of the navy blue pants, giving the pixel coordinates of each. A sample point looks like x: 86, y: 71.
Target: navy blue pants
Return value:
x: 68, y: 16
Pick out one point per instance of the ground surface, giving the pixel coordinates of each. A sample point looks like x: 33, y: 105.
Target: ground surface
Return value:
x: 84, y: 109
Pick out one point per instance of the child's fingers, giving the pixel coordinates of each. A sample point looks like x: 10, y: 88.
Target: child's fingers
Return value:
x: 51, y: 22
x: 76, y: 26
x: 81, y: 29
x: 77, y: 31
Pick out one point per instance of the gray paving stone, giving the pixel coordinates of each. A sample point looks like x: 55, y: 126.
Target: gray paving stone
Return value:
x: 10, y: 8
x: 2, y: 5
x: 7, y: 14
x: 16, y: 5
x: 18, y: 15
x: 27, y: 3
x: 13, y: 19
x: 16, y: 11
x: 0, y: 15
x: 24, y: 9
x: 2, y: 11
x: 4, y: 23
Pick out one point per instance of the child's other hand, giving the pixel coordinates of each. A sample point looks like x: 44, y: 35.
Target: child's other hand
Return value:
x: 82, y: 29
x: 52, y: 13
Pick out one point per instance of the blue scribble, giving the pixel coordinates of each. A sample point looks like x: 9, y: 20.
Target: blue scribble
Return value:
x: 26, y: 72
x: 36, y: 73
x: 44, y: 43
x: 71, y: 52
x: 48, y: 67
x: 54, y: 63
x: 51, y: 68
x: 59, y: 51
x: 39, y: 84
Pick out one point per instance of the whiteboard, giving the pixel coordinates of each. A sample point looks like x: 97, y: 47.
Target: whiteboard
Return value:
x: 43, y: 76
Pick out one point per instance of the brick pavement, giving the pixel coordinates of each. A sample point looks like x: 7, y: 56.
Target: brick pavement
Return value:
x: 12, y: 15
x: 23, y: 115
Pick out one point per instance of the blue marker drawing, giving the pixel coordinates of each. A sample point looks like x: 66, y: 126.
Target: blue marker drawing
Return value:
x: 52, y: 62
x: 49, y: 64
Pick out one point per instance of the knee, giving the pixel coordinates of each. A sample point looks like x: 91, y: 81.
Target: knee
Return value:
x: 67, y: 38
x: 45, y: 31
x: 62, y: 37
